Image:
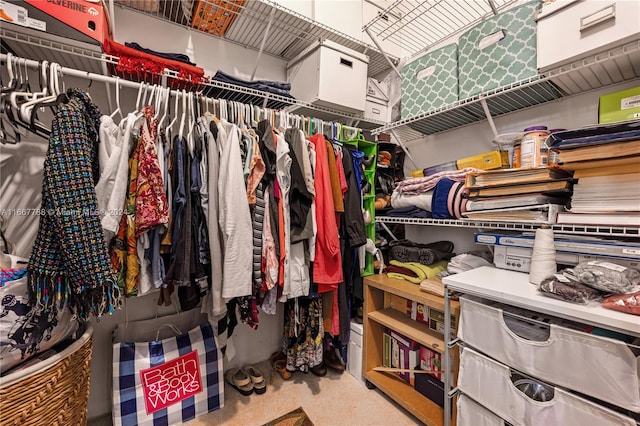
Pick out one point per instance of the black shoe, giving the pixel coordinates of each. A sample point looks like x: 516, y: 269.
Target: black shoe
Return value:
x: 425, y: 256
x: 441, y: 246
x: 319, y: 370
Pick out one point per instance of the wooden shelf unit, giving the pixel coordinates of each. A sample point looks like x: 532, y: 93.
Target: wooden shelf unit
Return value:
x: 384, y: 307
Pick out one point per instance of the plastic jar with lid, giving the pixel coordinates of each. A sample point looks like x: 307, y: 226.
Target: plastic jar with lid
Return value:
x: 553, y: 156
x: 533, y: 150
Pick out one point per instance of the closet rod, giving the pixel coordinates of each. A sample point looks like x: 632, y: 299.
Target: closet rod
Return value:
x: 122, y: 82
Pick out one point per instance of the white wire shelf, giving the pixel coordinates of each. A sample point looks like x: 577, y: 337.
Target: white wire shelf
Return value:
x: 600, y: 230
x: 616, y: 65
x: 30, y: 44
x: 290, y: 32
x: 416, y: 25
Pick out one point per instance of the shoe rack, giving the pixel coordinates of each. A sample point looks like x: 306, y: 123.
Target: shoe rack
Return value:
x: 385, y: 306
x: 368, y: 194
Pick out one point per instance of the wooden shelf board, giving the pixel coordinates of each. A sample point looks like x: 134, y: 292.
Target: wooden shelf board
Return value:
x: 410, y: 291
x: 427, y: 411
x: 412, y: 329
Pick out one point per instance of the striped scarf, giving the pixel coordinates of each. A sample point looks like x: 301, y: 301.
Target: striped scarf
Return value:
x: 69, y: 264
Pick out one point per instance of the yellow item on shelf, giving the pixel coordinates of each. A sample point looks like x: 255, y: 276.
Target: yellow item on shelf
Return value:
x: 485, y: 161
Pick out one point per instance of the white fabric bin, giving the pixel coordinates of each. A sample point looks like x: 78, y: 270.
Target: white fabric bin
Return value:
x: 470, y: 413
x: 597, y: 366
x: 489, y: 383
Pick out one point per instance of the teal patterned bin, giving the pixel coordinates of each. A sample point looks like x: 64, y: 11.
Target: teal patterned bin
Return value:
x: 437, y: 87
x: 484, y: 64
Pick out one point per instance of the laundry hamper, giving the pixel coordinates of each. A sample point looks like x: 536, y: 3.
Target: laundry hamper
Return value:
x: 53, y: 392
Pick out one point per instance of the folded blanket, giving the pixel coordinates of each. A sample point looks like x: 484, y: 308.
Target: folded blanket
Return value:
x: 400, y: 270
x: 275, y: 87
x: 421, y: 201
x: 422, y: 271
x: 410, y: 211
x: 421, y: 185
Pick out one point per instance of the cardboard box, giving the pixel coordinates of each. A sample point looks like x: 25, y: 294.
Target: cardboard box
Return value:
x: 486, y: 161
x: 620, y: 106
x: 430, y: 387
x: 216, y: 16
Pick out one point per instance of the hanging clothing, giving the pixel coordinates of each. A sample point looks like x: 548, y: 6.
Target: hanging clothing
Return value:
x: 69, y: 263
x: 283, y: 171
x: 234, y: 215
x: 111, y: 189
x: 303, y: 333
x: 214, y: 304
x: 327, y: 269
x: 353, y: 218
x: 334, y: 178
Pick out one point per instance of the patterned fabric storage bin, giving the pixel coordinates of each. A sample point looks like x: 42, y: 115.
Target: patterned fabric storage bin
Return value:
x: 522, y: 400
x: 499, y: 51
x: 430, y: 81
x: 606, y: 368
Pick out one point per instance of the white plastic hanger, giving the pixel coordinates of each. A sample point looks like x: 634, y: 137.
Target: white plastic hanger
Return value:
x: 183, y: 95
x: 118, y: 109
x: 166, y: 98
x: 191, y: 123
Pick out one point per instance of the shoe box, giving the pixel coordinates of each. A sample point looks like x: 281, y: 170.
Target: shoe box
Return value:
x: 354, y: 354
x: 84, y: 21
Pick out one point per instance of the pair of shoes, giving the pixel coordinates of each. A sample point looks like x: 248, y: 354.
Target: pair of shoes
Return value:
x: 319, y: 370
x: 246, y: 381
x: 279, y: 364
x: 333, y: 360
x: 240, y: 381
x: 359, y: 315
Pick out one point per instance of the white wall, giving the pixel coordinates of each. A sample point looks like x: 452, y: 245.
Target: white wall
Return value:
x: 210, y: 53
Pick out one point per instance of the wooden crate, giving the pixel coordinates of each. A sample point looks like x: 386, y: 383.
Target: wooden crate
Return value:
x: 216, y: 16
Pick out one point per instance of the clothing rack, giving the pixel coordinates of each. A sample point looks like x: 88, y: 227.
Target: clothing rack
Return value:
x: 308, y: 124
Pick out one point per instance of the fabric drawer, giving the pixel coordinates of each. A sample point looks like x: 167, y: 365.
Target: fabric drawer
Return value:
x: 606, y: 368
x: 430, y: 81
x: 499, y: 51
x: 585, y: 28
x: 490, y: 384
x: 470, y: 413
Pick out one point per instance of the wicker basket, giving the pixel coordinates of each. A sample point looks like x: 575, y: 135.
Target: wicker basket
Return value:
x: 52, y: 392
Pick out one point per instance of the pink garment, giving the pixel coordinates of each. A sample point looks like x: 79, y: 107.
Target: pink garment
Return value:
x: 341, y: 176
x: 327, y: 268
x: 415, y: 186
x: 270, y: 262
x: 152, y: 208
x: 255, y: 175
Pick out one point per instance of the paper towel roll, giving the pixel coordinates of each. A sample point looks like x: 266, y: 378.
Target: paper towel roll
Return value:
x: 543, y: 259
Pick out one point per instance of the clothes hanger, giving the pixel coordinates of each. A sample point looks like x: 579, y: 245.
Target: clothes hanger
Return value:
x: 165, y: 103
x: 183, y: 97
x: 191, y: 124
x: 118, y: 109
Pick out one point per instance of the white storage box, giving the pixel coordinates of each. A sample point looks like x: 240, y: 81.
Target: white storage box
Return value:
x: 470, y: 413
x: 569, y: 29
x: 354, y: 354
x: 377, y: 103
x: 489, y: 383
x: 330, y: 75
x: 605, y: 368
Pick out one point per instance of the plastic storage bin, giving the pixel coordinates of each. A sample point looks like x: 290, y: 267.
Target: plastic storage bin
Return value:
x: 429, y: 82
x: 490, y: 384
x: 331, y: 75
x: 499, y: 51
x: 569, y: 30
x: 606, y: 368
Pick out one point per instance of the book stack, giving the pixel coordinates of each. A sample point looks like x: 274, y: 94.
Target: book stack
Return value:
x: 606, y: 164
x: 528, y: 195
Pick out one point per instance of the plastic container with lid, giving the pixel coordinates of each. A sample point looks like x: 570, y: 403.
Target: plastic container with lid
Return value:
x: 533, y: 150
x: 510, y: 142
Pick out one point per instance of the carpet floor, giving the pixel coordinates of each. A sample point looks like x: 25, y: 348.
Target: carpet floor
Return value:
x: 336, y: 399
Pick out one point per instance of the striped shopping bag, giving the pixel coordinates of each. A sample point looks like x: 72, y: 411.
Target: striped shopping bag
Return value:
x: 166, y: 381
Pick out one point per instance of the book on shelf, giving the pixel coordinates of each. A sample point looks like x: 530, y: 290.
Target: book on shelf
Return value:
x: 551, y: 187
x: 544, y: 213
x: 513, y: 201
x: 607, y: 162
x: 506, y: 177
x: 609, y: 178
x: 607, y: 171
x: 602, y: 219
x: 594, y: 135
x: 595, y: 152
